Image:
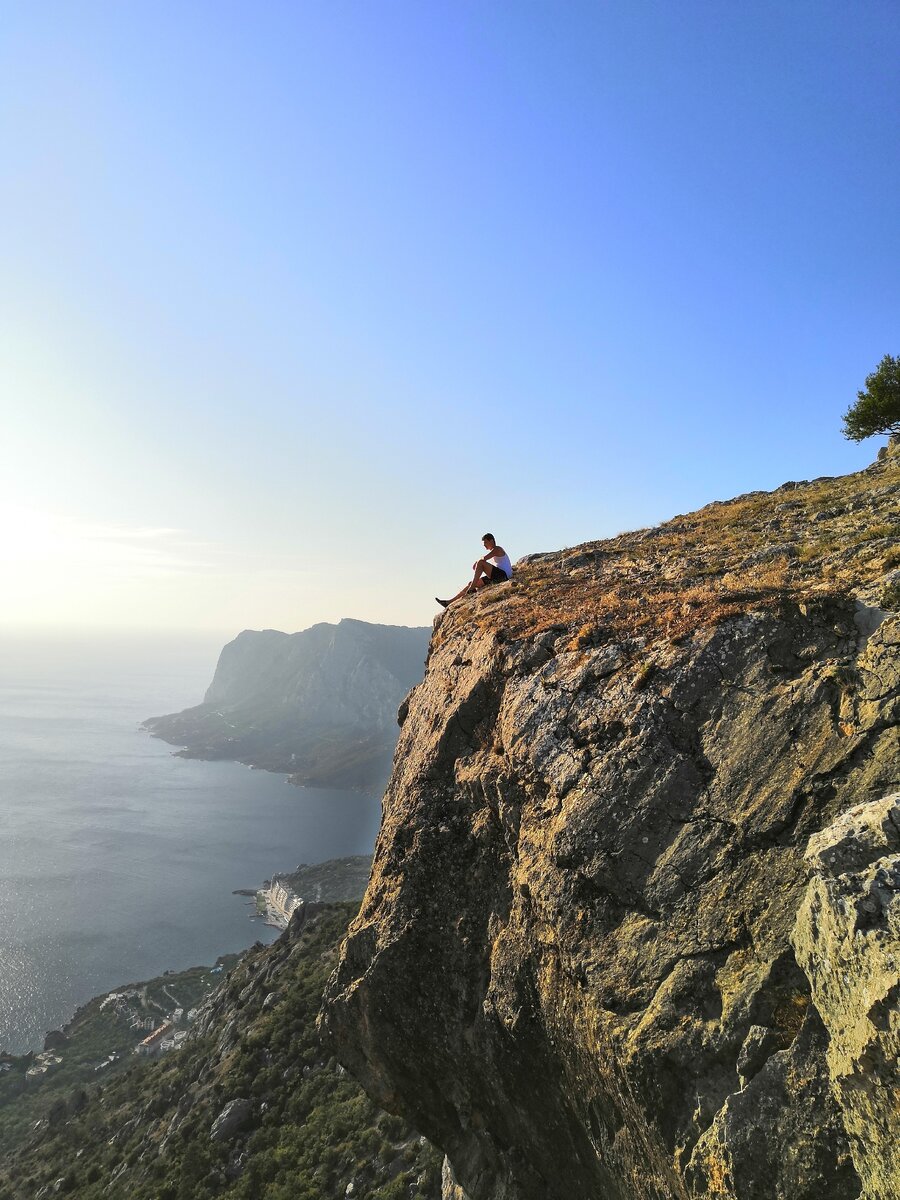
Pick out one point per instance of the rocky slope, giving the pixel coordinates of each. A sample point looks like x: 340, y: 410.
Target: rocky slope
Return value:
x: 319, y: 705
x: 632, y: 931
x: 252, y: 1106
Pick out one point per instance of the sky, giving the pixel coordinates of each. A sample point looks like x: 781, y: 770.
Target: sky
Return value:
x: 299, y: 299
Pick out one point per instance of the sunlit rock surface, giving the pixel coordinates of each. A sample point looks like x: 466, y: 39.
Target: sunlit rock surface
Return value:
x: 847, y: 939
x: 591, y: 958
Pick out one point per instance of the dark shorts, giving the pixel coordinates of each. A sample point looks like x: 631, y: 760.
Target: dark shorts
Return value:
x: 497, y: 575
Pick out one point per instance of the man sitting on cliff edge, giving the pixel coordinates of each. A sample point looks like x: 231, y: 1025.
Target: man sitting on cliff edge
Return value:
x: 498, y: 571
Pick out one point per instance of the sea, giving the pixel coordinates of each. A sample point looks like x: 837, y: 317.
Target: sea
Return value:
x: 118, y: 859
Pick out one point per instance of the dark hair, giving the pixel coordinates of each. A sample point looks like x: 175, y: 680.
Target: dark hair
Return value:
x: 485, y: 536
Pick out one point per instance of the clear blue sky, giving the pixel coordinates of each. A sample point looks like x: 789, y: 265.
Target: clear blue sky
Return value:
x: 300, y: 298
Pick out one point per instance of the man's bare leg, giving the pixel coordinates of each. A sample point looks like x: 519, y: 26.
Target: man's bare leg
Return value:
x: 478, y: 580
x: 466, y: 591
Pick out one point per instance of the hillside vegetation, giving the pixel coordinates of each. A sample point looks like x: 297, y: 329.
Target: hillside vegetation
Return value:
x: 299, y: 1127
x: 94, y: 1047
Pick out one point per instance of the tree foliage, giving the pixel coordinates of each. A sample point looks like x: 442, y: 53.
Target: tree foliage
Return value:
x: 877, y: 409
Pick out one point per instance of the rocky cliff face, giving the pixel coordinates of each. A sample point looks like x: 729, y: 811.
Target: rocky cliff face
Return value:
x: 319, y: 705
x: 632, y: 928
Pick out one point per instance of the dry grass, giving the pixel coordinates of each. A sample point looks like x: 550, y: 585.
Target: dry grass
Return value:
x: 788, y: 1015
x: 827, y: 537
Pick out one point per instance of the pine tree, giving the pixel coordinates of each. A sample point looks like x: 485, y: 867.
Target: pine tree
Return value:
x: 877, y: 409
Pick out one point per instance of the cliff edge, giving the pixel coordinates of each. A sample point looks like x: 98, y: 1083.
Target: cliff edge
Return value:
x: 632, y: 930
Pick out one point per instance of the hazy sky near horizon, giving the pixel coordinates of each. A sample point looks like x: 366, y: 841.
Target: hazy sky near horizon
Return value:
x: 298, y: 299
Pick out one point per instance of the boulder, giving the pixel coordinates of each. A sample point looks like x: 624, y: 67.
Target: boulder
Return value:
x: 233, y: 1117
x: 847, y: 939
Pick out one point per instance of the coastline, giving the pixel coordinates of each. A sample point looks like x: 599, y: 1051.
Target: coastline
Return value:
x: 149, y: 1018
x: 166, y: 840
x: 104, y: 1037
x: 296, y: 779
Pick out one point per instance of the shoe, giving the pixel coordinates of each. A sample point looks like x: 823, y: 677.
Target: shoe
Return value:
x: 444, y: 603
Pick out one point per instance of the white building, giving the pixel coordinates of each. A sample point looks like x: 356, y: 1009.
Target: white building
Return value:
x: 281, y: 902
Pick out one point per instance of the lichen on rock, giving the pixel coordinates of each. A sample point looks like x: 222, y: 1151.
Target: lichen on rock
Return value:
x: 847, y: 939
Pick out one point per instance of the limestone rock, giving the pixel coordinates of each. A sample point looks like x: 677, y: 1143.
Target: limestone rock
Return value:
x: 450, y: 1189
x: 234, y: 1116
x: 847, y: 939
x: 319, y: 705
x: 763, y: 1143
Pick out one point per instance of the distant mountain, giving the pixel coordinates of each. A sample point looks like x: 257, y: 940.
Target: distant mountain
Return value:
x: 320, y: 705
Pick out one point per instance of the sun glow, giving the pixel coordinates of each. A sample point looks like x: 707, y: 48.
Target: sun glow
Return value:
x: 30, y: 538
x: 27, y: 536
x: 53, y: 564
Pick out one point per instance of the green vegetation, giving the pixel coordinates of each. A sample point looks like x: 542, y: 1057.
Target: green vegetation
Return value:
x: 890, y: 597
x: 310, y: 1129
x: 97, y: 1045
x: 336, y: 879
x: 877, y: 409
x: 186, y: 989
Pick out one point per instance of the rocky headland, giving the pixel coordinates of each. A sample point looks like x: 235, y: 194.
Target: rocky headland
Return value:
x: 338, y: 879
x: 633, y: 925
x: 318, y: 705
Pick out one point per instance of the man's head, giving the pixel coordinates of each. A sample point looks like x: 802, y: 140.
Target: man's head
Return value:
x: 488, y: 540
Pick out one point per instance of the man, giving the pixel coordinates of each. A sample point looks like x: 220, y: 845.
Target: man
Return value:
x: 495, y: 567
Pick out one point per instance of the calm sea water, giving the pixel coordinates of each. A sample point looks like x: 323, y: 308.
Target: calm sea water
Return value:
x: 117, y: 859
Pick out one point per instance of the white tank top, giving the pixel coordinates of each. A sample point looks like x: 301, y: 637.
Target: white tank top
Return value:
x: 504, y: 564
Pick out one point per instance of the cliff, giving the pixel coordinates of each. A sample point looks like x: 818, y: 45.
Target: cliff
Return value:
x: 632, y: 930
x: 318, y: 705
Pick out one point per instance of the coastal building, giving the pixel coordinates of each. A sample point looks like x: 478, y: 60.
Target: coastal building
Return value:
x: 281, y: 902
x: 173, y: 1042
x: 151, y: 1042
x: 43, y: 1064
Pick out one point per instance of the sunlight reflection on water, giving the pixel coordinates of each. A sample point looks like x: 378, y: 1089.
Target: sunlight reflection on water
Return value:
x: 117, y: 859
